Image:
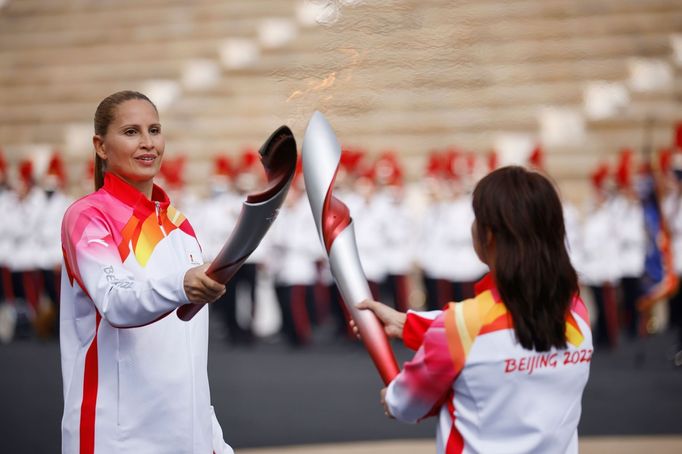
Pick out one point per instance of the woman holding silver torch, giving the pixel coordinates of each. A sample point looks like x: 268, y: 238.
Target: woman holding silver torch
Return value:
x: 134, y: 375
x: 505, y: 370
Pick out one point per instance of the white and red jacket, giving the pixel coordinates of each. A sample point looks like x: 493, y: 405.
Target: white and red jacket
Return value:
x: 135, y: 375
x: 491, y: 394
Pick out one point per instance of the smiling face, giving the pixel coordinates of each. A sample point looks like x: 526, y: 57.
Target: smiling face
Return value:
x: 133, y: 144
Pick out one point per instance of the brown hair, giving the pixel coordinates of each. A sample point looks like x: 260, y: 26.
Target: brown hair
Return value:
x: 104, y: 115
x: 533, y: 271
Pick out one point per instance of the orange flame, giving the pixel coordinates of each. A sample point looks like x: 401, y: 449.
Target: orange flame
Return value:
x: 314, y: 85
x: 345, y: 74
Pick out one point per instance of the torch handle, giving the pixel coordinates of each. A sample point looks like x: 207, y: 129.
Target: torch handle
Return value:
x: 375, y: 341
x: 188, y: 311
x: 352, y: 283
x: 217, y: 273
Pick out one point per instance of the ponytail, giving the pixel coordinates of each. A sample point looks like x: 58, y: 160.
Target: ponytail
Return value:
x: 99, y: 172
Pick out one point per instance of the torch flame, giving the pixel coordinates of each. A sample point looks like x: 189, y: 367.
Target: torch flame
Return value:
x: 295, y: 94
x: 313, y: 86
x: 353, y: 59
x: 326, y: 82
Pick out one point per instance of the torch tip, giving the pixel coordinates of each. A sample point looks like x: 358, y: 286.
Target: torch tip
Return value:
x: 318, y: 118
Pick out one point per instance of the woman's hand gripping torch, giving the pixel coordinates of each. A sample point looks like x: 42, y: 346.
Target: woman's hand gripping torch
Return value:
x: 321, y: 155
x: 278, y: 156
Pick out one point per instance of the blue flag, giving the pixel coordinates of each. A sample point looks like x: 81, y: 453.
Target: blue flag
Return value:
x: 659, y: 280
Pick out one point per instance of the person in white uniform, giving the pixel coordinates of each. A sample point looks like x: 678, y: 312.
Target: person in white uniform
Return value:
x: 574, y: 241
x: 49, y: 236
x: 241, y: 293
x: 214, y: 217
x: 504, y: 371
x: 469, y: 268
x: 599, y: 259
x: 399, y: 233
x: 630, y: 232
x: 7, y: 313
x: 295, y: 252
x: 27, y: 207
x: 135, y: 375
x: 431, y: 239
x: 369, y: 220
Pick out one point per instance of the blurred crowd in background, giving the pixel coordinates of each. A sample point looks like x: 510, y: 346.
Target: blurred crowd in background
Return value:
x: 414, y: 240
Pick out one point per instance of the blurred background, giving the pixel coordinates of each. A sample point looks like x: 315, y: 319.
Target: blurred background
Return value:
x: 426, y: 97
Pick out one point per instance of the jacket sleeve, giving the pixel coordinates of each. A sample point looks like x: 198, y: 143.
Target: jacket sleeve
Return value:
x: 93, y: 261
x: 425, y: 381
x: 416, y: 325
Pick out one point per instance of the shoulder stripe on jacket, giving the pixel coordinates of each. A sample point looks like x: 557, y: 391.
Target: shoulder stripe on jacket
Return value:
x: 463, y: 322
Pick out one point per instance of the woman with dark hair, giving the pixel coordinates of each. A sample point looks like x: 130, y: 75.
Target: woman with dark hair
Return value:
x: 135, y: 375
x: 505, y: 371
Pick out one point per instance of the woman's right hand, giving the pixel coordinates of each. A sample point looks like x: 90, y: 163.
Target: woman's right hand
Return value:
x: 393, y: 320
x: 201, y: 289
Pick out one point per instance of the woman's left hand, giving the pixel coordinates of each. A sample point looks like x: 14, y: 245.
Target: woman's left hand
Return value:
x: 387, y: 412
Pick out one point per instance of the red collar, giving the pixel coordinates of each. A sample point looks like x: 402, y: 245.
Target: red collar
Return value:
x: 132, y: 197
x: 487, y: 283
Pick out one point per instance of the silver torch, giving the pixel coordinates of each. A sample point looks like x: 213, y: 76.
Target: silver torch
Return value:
x: 278, y: 156
x: 321, y: 155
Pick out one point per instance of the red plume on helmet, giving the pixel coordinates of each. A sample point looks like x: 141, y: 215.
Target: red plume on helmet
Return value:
x: 537, y: 158
x: 454, y: 163
x: 367, y: 172
x: 3, y: 164
x: 599, y: 176
x: 623, y: 175
x: 55, y: 168
x: 26, y: 171
x: 435, y: 165
x: 492, y: 160
x: 350, y: 160
x: 250, y: 163
x: 345, y: 162
x: 172, y: 170
x: 90, y: 169
x: 222, y: 166
x: 678, y: 136
x: 249, y: 160
x: 249, y: 172
x: 471, y: 162
x: 665, y: 158
x: 387, y: 169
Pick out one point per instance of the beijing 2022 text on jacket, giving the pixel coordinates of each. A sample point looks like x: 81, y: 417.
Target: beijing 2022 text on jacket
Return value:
x: 491, y: 394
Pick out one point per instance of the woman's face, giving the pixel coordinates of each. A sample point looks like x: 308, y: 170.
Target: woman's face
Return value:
x: 133, y: 145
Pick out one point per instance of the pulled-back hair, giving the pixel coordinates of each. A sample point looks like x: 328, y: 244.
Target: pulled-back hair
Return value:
x: 104, y: 115
x: 533, y: 272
